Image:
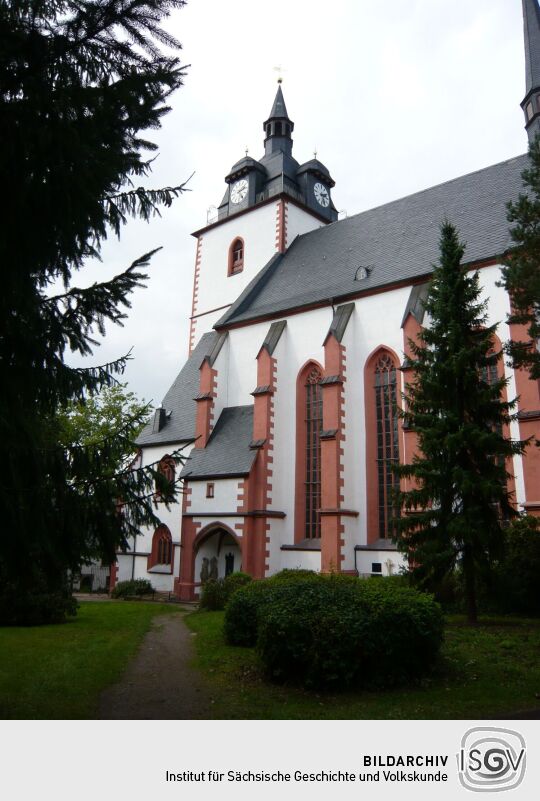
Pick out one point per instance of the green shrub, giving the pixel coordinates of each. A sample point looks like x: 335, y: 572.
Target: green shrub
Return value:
x: 131, y: 588
x: 335, y: 633
x: 516, y: 582
x: 216, y: 592
x: 242, y: 610
x: 36, y: 606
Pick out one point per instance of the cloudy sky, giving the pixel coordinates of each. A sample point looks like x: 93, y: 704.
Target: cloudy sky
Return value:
x: 395, y: 96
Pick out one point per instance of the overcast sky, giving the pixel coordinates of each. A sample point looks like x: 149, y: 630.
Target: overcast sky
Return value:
x: 395, y: 96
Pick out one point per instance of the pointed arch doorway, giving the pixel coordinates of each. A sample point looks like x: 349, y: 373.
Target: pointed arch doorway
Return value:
x: 218, y: 553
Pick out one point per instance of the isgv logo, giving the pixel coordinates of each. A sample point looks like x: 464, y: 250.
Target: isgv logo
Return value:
x: 491, y: 759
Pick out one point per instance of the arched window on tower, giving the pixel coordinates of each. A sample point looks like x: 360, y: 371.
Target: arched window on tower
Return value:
x: 236, y: 256
x: 382, y: 443
x: 308, y: 453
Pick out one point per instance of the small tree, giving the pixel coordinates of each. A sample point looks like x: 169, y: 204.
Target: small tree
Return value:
x: 115, y: 413
x: 521, y: 271
x: 453, y: 513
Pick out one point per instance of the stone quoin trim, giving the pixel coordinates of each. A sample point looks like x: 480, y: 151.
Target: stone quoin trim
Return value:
x: 332, y: 454
x: 204, y: 415
x: 411, y: 331
x: 184, y: 585
x: 528, y: 392
x: 511, y: 481
x: 281, y: 226
x: 196, y: 275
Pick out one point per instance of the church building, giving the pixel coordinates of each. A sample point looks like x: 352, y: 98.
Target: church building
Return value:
x: 298, y: 344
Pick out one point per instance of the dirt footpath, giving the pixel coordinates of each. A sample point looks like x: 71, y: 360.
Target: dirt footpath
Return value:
x: 159, y: 683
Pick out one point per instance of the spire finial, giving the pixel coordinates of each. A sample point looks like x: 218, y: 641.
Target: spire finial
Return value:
x: 279, y: 70
x: 315, y: 152
x: 247, y: 150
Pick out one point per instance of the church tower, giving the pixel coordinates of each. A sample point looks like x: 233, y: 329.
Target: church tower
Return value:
x: 531, y: 101
x: 267, y: 203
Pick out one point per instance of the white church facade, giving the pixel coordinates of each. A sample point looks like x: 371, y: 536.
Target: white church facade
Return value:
x: 298, y: 350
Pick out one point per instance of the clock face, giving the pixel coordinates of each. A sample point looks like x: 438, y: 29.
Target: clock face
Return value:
x: 239, y: 191
x: 321, y: 195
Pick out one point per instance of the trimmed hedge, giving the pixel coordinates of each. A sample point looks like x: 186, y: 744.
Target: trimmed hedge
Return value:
x: 216, y: 592
x: 242, y: 610
x: 128, y: 589
x: 335, y: 631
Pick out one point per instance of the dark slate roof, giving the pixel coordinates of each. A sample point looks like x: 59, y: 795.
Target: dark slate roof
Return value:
x: 378, y: 545
x: 227, y: 452
x: 279, y: 109
x: 415, y: 304
x: 398, y: 241
x: 273, y: 336
x: 531, y: 29
x: 180, y: 423
x: 340, y: 320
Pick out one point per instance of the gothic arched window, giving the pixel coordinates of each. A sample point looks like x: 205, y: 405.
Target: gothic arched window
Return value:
x: 236, y: 256
x: 161, y: 547
x: 382, y: 443
x: 385, y: 386
x: 167, y: 469
x: 308, y: 453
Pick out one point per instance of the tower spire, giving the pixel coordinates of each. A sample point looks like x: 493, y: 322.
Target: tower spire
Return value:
x: 278, y: 127
x: 531, y: 32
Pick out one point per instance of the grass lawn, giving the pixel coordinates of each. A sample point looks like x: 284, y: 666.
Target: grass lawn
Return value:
x: 59, y: 671
x: 483, y: 673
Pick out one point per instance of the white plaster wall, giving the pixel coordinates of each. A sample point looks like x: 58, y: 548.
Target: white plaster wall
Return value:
x: 221, y: 365
x: 299, y: 222
x: 301, y: 341
x: 351, y: 447
x: 365, y: 559
x: 202, y: 325
x: 258, y: 230
x: 124, y: 567
x: 307, y: 560
x: 245, y: 344
x: 225, y: 497
x: 171, y: 517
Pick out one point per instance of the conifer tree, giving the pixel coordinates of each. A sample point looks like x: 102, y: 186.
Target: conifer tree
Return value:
x: 453, y: 514
x: 521, y: 273
x: 80, y: 83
